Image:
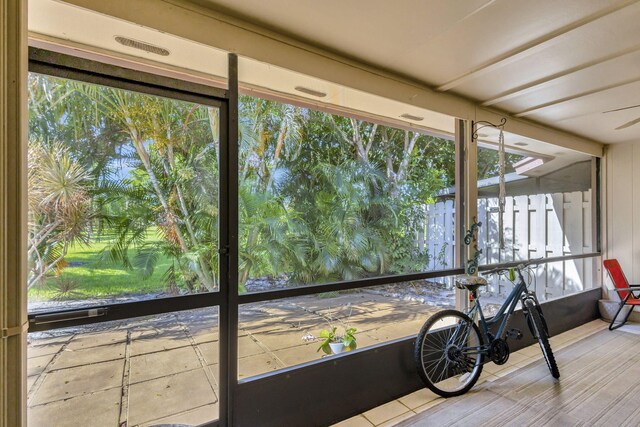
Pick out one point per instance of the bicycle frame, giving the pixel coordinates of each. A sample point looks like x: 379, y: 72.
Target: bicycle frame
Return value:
x: 502, y: 316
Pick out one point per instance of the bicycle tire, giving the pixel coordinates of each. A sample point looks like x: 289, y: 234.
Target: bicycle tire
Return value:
x: 540, y: 333
x: 441, y: 368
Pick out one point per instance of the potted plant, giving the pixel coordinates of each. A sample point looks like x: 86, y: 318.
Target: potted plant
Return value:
x: 334, y: 343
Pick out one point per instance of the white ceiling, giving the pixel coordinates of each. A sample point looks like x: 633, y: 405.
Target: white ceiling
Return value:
x: 562, y: 63
x: 57, y: 25
x: 60, y: 25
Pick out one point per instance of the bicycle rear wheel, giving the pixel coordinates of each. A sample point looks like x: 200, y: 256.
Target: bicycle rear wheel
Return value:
x: 540, y: 333
x: 448, y: 353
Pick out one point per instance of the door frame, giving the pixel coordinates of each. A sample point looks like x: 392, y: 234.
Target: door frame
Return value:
x: 65, y: 66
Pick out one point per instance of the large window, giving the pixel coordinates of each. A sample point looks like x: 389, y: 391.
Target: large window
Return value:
x: 326, y: 198
x: 549, y: 209
x: 123, y: 195
x: 123, y: 210
x: 346, y: 226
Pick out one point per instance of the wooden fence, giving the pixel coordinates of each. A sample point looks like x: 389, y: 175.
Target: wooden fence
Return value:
x: 540, y: 225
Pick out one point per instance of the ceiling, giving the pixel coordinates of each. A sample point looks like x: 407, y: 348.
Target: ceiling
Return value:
x: 563, y: 63
x: 60, y: 26
x: 423, y: 30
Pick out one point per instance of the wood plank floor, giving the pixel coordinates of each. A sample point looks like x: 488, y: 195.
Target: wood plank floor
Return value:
x: 599, y: 386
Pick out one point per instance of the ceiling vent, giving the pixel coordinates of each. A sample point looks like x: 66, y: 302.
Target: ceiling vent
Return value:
x: 310, y: 91
x: 412, y: 117
x: 125, y: 41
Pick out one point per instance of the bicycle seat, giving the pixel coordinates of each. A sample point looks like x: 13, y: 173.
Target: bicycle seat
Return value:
x: 470, y: 283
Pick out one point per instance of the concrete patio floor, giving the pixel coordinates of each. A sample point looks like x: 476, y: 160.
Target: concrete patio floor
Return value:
x: 164, y: 369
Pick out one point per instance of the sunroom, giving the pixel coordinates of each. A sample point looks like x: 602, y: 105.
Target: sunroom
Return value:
x: 200, y: 196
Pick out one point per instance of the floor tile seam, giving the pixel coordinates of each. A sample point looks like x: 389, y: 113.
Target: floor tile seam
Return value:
x: 415, y: 407
x: 587, y: 332
x: 83, y: 394
x: 164, y: 376
x: 293, y: 346
x: 176, y: 414
x: 322, y: 316
x: 34, y: 342
x: 203, y: 362
x: 206, y: 343
x: 42, y: 376
x: 244, y: 331
x: 387, y: 423
x: 123, y: 415
x: 30, y: 348
x: 266, y: 350
x: 503, y: 367
x: 97, y: 345
x: 56, y: 370
x: 386, y: 420
x: 157, y: 351
x: 432, y: 404
x: 386, y: 403
x: 85, y: 364
x: 406, y: 406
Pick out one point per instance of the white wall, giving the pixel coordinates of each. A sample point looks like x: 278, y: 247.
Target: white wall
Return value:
x: 622, y: 201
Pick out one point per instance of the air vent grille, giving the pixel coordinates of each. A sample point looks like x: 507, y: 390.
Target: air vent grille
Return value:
x: 125, y: 41
x: 412, y: 117
x: 310, y: 91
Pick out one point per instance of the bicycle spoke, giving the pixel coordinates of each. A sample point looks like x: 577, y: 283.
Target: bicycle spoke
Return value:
x: 448, y: 353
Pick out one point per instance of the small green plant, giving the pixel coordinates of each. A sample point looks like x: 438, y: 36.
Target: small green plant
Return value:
x: 65, y: 288
x: 348, y: 339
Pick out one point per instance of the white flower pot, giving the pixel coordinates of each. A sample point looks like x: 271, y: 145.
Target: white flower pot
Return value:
x: 336, y: 347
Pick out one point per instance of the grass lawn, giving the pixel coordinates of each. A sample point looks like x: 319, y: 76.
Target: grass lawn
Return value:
x: 96, y: 278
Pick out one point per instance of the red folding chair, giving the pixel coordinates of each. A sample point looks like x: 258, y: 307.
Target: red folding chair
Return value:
x: 629, y: 294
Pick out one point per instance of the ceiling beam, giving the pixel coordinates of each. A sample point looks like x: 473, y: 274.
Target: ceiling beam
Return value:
x: 540, y: 83
x: 532, y: 110
x: 532, y: 47
x: 192, y: 22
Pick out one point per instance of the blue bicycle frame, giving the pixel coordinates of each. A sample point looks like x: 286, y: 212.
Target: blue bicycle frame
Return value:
x: 502, y: 316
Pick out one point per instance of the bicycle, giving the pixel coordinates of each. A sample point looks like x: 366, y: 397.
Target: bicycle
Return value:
x: 452, y: 346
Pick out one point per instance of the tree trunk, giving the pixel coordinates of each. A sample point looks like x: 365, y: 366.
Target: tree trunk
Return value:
x: 144, y: 157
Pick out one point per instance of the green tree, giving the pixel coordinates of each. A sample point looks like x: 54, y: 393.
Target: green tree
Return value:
x: 60, y: 208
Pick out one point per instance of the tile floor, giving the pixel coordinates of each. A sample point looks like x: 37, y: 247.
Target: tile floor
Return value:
x: 130, y: 372
x: 394, y: 412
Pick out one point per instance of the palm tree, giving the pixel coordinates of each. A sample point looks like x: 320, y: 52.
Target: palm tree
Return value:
x: 60, y: 208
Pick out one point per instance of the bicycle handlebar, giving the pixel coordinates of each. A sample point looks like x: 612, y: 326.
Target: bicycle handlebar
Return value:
x: 521, y: 266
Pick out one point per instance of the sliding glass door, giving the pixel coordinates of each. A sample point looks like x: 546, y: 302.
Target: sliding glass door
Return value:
x: 124, y: 246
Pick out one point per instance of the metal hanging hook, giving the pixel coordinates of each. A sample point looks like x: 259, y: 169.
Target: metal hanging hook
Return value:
x: 502, y: 194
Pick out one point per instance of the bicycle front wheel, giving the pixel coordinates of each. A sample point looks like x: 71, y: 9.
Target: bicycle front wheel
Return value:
x: 448, y: 353
x: 540, y: 332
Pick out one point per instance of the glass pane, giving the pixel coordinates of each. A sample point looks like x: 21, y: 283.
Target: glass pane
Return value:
x: 287, y: 332
x: 155, y: 370
x: 327, y: 198
x: 548, y: 213
x: 123, y: 195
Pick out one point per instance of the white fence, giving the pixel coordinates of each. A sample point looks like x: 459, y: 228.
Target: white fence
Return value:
x: 540, y: 225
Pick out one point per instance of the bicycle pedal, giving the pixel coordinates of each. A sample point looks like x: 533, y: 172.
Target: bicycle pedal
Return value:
x: 514, y: 334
